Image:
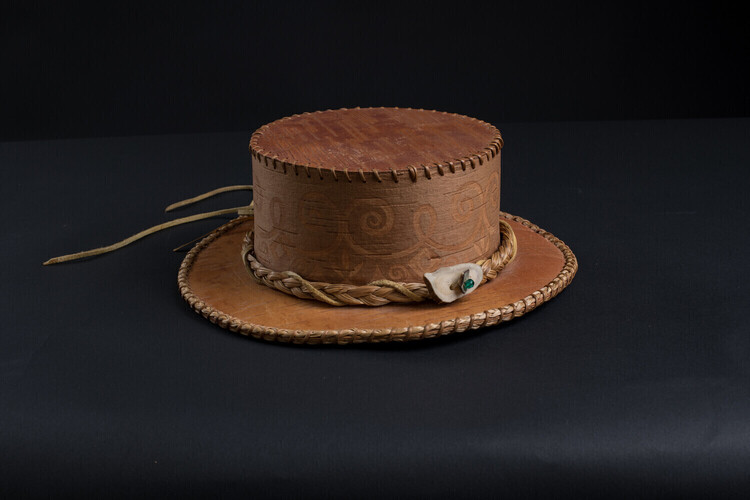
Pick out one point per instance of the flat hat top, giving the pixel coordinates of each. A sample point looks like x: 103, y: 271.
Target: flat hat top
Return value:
x: 373, y: 138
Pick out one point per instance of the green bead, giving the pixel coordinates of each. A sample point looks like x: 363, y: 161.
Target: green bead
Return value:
x: 469, y: 283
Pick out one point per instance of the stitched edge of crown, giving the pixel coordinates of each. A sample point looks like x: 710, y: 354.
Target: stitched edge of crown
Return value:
x: 410, y: 172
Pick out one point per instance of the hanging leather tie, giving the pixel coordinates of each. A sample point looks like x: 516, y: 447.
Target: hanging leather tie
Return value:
x: 240, y: 211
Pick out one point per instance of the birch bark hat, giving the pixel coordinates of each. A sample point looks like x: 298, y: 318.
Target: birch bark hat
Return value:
x: 373, y: 225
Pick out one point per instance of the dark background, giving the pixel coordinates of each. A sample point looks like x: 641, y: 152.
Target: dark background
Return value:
x: 80, y: 69
x: 625, y: 137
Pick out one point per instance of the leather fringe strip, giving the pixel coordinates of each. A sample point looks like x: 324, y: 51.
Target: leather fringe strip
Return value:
x: 240, y: 211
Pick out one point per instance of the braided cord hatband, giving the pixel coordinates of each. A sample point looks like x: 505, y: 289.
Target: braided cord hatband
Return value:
x: 375, y: 293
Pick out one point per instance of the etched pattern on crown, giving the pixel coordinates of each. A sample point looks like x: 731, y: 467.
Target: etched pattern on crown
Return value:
x: 384, y: 219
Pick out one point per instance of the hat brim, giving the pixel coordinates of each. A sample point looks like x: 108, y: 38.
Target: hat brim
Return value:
x: 214, y: 281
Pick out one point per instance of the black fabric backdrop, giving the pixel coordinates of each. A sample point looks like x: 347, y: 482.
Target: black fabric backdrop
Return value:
x: 634, y: 381
x: 74, y: 69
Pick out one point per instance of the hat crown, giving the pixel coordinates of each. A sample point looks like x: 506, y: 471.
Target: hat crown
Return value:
x: 351, y: 196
